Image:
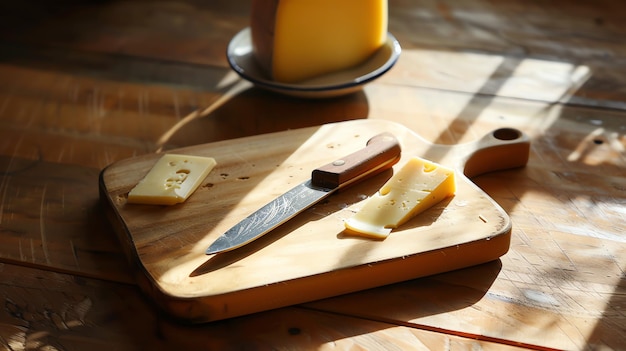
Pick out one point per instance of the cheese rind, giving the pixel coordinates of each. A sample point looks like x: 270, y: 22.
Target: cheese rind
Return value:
x: 295, y: 40
x: 417, y: 186
x: 172, y: 179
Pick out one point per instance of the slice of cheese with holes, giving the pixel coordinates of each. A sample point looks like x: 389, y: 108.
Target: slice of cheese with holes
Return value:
x: 417, y: 186
x: 171, y: 180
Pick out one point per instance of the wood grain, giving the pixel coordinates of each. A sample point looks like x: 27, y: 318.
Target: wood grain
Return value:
x: 87, y: 83
x: 538, y: 290
x: 45, y: 310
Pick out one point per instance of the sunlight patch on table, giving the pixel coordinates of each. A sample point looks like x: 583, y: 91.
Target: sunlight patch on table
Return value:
x: 504, y: 76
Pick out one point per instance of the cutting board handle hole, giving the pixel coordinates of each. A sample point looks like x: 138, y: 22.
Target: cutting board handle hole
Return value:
x: 507, y: 134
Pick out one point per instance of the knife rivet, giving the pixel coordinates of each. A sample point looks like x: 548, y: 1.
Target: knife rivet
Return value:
x: 339, y: 163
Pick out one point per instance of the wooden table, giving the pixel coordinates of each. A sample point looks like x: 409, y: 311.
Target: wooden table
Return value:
x: 87, y: 83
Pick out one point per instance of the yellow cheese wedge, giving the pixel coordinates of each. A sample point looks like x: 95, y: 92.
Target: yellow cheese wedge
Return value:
x: 294, y: 40
x: 417, y: 186
x: 171, y: 180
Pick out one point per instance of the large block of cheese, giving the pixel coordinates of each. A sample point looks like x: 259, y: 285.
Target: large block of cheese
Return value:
x: 172, y: 179
x: 417, y: 186
x: 298, y: 39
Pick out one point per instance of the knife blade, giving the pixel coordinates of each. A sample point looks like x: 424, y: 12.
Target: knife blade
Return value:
x: 380, y: 153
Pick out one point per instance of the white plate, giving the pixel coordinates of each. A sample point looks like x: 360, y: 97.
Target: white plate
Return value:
x: 241, y: 59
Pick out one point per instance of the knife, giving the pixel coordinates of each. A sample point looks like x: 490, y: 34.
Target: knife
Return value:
x: 381, y: 152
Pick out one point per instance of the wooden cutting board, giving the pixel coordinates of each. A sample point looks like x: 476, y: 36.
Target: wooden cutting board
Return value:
x: 310, y: 257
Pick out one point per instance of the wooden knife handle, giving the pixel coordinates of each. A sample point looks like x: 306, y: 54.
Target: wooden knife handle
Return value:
x: 382, y: 152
